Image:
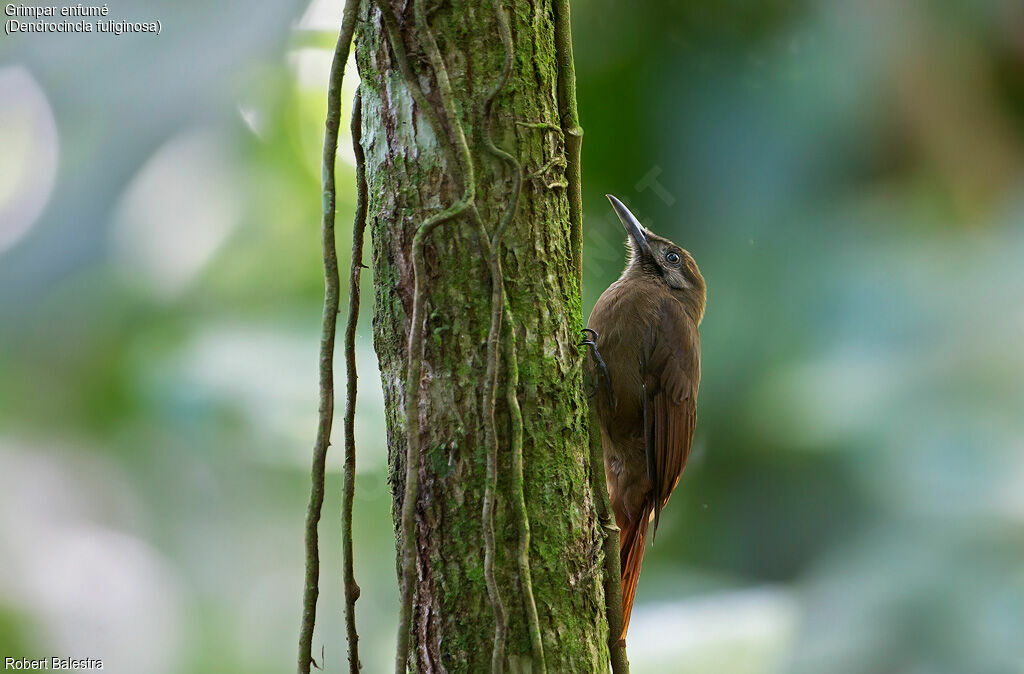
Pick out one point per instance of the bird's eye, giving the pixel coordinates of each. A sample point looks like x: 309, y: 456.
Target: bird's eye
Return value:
x: 673, y: 258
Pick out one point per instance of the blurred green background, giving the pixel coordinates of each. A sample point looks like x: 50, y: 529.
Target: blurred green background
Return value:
x: 848, y: 175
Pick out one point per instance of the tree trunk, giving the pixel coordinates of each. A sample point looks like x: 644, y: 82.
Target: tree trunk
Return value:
x: 410, y: 178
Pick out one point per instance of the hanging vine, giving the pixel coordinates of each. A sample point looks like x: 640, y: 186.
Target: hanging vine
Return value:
x: 570, y: 126
x: 348, y: 489
x: 311, y: 589
x: 610, y: 534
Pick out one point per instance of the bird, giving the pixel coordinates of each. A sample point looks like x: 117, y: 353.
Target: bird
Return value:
x: 645, y: 367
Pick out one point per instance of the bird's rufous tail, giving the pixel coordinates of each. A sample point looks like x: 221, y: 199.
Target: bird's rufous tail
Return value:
x: 631, y: 554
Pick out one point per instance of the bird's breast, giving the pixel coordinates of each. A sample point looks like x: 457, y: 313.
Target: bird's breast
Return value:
x: 624, y: 317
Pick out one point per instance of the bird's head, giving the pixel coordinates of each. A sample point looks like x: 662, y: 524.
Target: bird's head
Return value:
x: 656, y: 257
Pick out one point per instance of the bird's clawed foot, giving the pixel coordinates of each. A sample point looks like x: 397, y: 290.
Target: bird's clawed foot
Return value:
x: 590, y: 339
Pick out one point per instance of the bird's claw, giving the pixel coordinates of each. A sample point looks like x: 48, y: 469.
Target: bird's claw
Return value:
x: 592, y: 341
x: 602, y: 367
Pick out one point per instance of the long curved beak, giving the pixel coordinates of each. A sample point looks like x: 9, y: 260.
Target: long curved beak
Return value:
x: 632, y: 226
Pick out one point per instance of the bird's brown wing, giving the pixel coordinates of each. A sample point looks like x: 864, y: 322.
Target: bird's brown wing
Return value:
x: 674, y: 371
x: 671, y: 377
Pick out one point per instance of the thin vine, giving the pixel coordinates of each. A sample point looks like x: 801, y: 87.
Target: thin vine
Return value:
x: 311, y: 590
x: 571, y: 128
x: 348, y: 490
x: 610, y: 535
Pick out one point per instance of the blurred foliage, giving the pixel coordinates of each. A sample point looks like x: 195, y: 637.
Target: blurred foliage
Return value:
x: 848, y: 176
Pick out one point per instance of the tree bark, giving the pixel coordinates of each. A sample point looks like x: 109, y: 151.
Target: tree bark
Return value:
x: 409, y: 179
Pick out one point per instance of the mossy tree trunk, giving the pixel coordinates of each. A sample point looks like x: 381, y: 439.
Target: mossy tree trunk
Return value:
x: 409, y: 179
